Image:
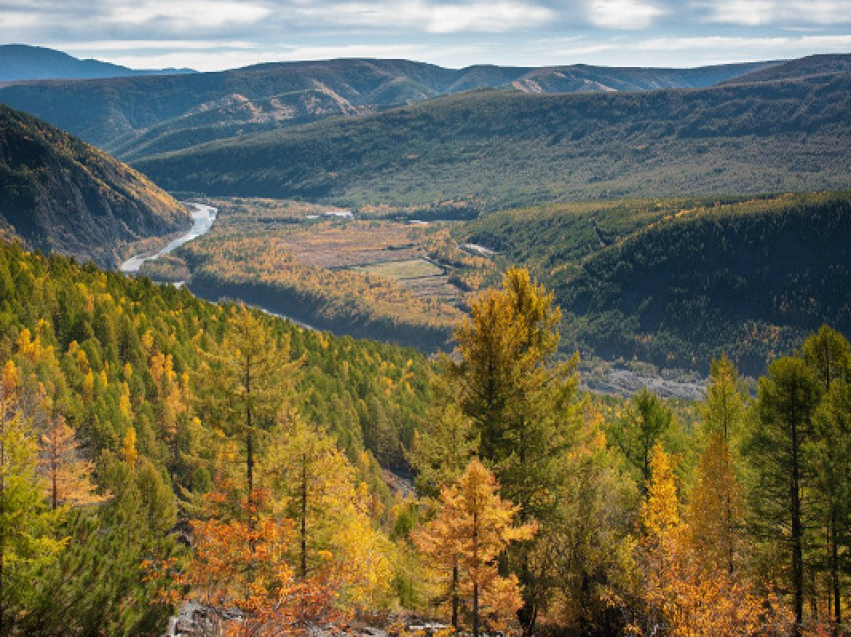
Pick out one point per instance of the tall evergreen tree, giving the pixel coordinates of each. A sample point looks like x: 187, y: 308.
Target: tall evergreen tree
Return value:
x: 645, y: 423
x: 246, y: 383
x: 828, y: 354
x: 778, y: 452
x: 522, y: 404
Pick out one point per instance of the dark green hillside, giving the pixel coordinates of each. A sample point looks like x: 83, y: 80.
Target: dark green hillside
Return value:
x: 502, y: 149
x: 132, y: 117
x: 58, y: 193
x: 677, y: 282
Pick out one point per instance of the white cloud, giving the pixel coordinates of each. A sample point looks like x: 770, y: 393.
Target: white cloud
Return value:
x: 215, y: 59
x: 790, y: 45
x: 189, y: 13
x: 17, y: 20
x: 623, y: 14
x: 777, y: 12
x: 418, y: 15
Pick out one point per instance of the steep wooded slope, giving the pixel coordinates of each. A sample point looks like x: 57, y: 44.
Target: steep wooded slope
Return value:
x: 59, y: 193
x: 677, y: 282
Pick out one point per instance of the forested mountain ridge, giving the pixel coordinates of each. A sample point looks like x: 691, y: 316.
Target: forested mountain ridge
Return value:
x: 134, y: 117
x: 20, y: 62
x: 61, y: 194
x: 495, y: 149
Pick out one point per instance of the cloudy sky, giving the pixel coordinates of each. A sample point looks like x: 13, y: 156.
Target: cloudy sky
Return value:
x: 218, y: 34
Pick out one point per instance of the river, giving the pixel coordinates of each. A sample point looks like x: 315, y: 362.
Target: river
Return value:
x: 203, y: 217
x: 202, y: 220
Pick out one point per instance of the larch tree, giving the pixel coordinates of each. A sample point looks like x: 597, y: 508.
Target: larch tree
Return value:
x: 246, y: 383
x: 832, y: 451
x: 725, y: 403
x: 240, y: 565
x: 522, y: 404
x: 828, y: 354
x: 68, y: 476
x: 334, y: 546
x: 645, y: 423
x: 472, y: 527
x: 443, y: 446
x: 781, y: 458
x: 715, y: 513
x: 26, y: 523
x: 661, y: 535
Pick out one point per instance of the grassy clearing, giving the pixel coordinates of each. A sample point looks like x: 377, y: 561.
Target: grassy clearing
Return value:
x: 400, y: 270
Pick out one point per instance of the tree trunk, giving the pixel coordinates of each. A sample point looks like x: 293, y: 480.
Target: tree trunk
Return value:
x: 797, y: 540
x: 455, y: 598
x: 475, y: 609
x: 304, y: 517
x: 834, y: 573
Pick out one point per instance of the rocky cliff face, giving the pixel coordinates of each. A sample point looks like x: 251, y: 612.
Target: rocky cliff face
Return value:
x: 57, y: 193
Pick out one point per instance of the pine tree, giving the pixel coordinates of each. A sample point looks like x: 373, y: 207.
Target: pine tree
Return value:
x: 471, y: 529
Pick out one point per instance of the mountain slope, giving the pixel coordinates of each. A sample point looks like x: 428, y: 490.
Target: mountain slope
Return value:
x: 58, y: 193
x: 677, y: 282
x: 132, y: 117
x: 498, y: 149
x: 797, y: 69
x: 20, y: 62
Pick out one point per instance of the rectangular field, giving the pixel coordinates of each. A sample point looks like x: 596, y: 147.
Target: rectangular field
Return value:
x: 401, y: 270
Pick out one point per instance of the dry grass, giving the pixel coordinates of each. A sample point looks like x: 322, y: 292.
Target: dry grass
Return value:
x: 400, y: 270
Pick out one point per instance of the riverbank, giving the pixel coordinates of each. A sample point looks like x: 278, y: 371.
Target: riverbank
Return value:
x: 203, y: 217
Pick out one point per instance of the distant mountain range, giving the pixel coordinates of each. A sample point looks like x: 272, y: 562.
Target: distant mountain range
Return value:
x: 505, y: 148
x: 133, y: 117
x: 21, y: 62
x: 58, y: 193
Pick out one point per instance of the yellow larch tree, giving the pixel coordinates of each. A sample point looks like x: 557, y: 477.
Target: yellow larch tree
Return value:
x: 472, y: 527
x: 68, y: 475
x: 335, y: 546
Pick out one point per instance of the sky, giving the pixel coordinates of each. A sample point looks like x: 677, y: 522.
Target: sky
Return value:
x: 210, y: 35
